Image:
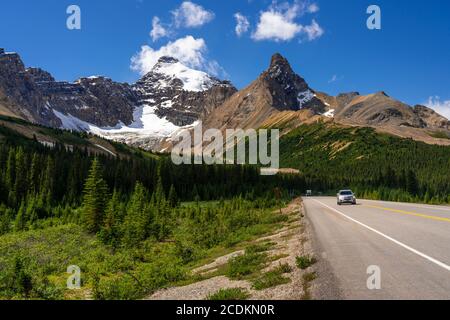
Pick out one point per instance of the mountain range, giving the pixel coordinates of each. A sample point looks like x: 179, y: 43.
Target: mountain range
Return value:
x: 174, y: 97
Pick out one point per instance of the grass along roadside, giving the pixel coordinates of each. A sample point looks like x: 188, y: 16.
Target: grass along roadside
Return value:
x: 265, y: 268
x: 230, y: 294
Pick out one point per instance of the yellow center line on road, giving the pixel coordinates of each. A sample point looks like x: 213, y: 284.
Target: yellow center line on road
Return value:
x: 425, y: 216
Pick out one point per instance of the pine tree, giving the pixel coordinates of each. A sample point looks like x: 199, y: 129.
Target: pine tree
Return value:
x: 21, y: 219
x: 22, y: 280
x: 411, y: 182
x: 137, y: 224
x: 173, y: 198
x: 5, y: 220
x: 10, y: 169
x: 95, y: 198
x: 21, y: 183
x: 159, y: 192
x: 48, y: 182
x: 33, y: 177
x: 110, y: 233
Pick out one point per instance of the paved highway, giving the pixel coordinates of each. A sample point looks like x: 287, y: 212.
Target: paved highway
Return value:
x: 408, y: 243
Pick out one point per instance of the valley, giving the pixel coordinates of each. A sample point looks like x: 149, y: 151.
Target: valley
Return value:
x: 87, y: 180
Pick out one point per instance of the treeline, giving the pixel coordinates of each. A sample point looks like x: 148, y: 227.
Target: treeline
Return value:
x: 377, y: 166
x: 148, y: 237
x: 38, y: 183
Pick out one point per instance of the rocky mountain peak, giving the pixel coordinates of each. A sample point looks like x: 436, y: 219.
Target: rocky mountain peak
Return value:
x: 40, y: 75
x: 382, y: 93
x: 288, y: 89
x: 170, y: 73
x: 179, y: 93
x: 167, y: 59
x: 278, y: 61
x: 280, y: 69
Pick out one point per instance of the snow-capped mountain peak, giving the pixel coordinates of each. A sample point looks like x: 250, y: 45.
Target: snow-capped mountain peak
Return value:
x: 170, y: 70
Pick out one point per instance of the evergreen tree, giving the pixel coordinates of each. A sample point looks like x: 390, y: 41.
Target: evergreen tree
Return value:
x: 159, y: 192
x: 110, y: 233
x: 173, y: 198
x: 34, y: 175
x: 21, y: 219
x: 46, y: 190
x: 411, y: 182
x: 21, y: 183
x: 10, y: 169
x: 138, y: 220
x: 95, y: 198
x: 22, y: 282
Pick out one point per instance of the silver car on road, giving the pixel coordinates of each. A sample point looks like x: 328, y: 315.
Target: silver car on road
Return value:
x: 346, y: 196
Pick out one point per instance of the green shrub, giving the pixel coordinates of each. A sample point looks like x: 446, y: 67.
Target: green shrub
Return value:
x: 304, y: 262
x: 310, y: 276
x: 273, y: 278
x: 230, y: 294
x: 259, y: 247
x: 245, y: 265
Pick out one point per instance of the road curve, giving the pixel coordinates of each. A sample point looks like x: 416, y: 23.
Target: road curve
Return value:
x: 410, y: 243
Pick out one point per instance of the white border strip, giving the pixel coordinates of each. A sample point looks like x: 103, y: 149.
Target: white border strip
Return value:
x: 417, y: 252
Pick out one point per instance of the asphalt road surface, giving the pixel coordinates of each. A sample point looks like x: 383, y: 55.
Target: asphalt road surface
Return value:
x: 409, y: 244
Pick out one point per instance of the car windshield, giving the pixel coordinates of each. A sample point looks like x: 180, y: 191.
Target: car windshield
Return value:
x: 346, y: 193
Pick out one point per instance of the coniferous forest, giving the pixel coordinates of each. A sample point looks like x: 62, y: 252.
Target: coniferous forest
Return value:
x: 132, y: 224
x: 135, y: 223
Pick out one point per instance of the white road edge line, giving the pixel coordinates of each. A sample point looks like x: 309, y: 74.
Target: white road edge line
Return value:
x: 423, y: 255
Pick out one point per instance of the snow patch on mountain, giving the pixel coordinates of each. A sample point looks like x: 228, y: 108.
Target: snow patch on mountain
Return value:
x: 193, y: 80
x: 146, y: 123
x: 304, y: 97
x: 329, y: 113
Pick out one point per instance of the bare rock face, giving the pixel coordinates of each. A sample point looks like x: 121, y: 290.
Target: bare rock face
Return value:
x: 381, y: 110
x: 289, y: 91
x: 431, y: 118
x: 96, y: 100
x: 277, y: 89
x: 21, y: 91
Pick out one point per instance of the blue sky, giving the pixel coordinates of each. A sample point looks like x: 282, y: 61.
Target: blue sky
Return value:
x: 326, y: 41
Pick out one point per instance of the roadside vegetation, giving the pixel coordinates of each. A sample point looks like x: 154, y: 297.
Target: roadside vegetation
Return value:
x: 230, y: 294
x: 132, y: 224
x: 308, y: 278
x: 273, y: 278
x: 304, y: 262
x: 374, y: 165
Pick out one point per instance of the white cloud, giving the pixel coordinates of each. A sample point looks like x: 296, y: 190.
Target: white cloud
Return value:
x: 191, y: 15
x: 335, y: 78
x: 278, y: 23
x: 242, y: 24
x: 313, y: 8
x: 158, y: 31
x: 188, y: 50
x: 441, y: 107
x: 313, y: 31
